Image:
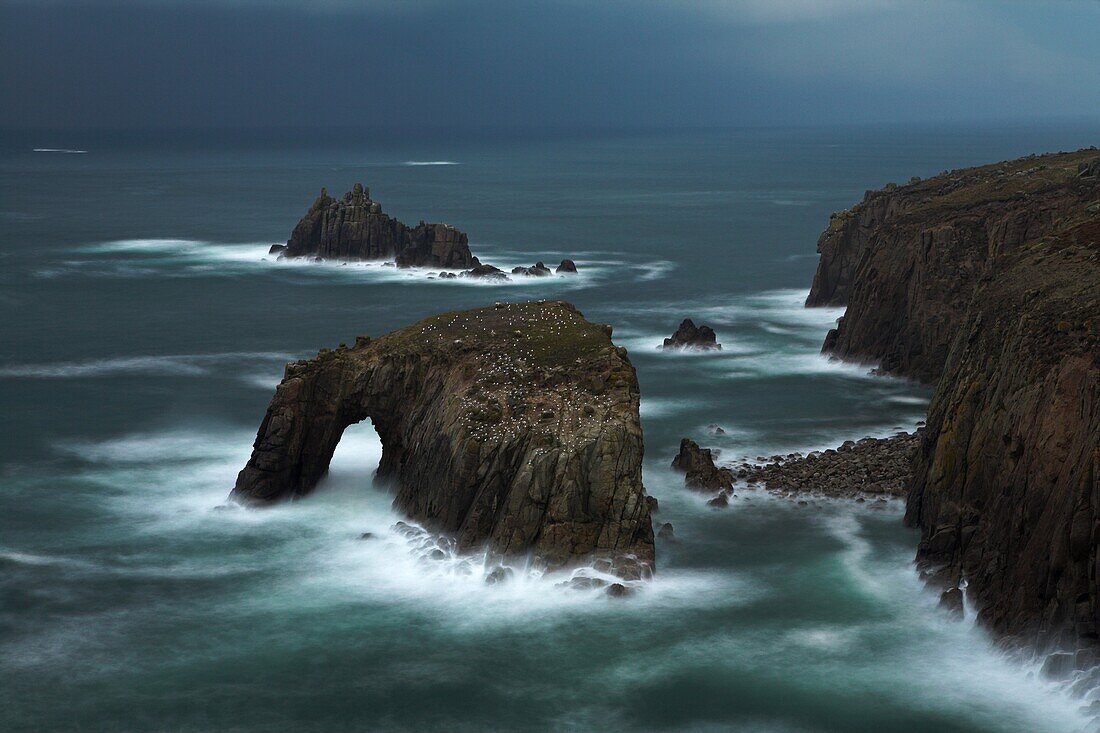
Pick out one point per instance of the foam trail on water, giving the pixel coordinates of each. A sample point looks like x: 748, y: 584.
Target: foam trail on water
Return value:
x: 176, y: 365
x: 431, y: 162
x: 188, y: 258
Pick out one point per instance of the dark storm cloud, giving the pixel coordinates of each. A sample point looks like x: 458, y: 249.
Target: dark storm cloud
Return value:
x: 437, y: 63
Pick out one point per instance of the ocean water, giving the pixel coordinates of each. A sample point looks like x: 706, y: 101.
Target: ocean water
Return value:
x: 142, y: 331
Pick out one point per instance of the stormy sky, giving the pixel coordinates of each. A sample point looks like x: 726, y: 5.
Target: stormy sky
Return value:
x: 245, y: 64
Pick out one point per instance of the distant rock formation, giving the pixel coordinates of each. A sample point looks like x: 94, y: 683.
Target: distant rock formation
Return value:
x: 986, y: 281
x: 690, y: 336
x: 354, y: 228
x: 513, y: 427
x: 697, y: 465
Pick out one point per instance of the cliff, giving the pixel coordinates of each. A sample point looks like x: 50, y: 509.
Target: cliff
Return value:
x: 986, y: 281
x: 514, y: 427
x: 355, y: 228
x: 907, y: 259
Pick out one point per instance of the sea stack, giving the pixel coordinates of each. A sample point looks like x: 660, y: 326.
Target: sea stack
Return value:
x: 355, y: 228
x: 986, y: 282
x: 513, y: 427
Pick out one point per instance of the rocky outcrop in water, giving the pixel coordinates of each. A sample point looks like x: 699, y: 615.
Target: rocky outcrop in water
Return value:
x: 690, y: 336
x: 355, y: 228
x: 697, y: 465
x: 513, y: 427
x: 987, y: 282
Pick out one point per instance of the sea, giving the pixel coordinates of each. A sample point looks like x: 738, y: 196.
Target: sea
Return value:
x: 143, y: 328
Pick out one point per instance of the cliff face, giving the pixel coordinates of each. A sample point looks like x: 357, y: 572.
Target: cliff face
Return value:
x: 354, y: 228
x: 987, y: 282
x: 1006, y: 487
x: 907, y: 259
x: 514, y: 427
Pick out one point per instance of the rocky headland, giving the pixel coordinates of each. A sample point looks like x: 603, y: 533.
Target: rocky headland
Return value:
x: 354, y: 228
x: 513, y: 428
x: 986, y: 282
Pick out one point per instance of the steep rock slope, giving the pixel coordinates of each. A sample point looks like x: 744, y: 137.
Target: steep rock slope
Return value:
x: 514, y: 427
x: 987, y: 282
x: 906, y: 260
x: 1006, y: 487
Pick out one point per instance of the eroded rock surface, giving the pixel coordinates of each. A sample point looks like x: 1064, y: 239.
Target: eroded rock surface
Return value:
x: 513, y: 427
x: 697, y: 465
x: 986, y: 281
x: 355, y: 228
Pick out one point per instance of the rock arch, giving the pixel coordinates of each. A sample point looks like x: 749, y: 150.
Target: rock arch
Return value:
x: 513, y: 427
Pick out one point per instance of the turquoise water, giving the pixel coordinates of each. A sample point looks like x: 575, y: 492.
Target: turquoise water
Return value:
x: 144, y: 329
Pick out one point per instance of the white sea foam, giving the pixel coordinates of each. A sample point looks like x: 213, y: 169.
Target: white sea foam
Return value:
x: 431, y: 162
x: 188, y: 258
x: 174, y: 365
x: 58, y: 150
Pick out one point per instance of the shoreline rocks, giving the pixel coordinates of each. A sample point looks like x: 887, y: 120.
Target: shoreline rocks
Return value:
x: 690, y: 336
x: 513, y: 427
x: 700, y: 472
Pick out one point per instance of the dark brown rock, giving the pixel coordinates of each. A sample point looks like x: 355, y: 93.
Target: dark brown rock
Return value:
x: 566, y: 267
x: 697, y: 465
x: 485, y: 271
x: 666, y: 532
x: 951, y: 600
x: 652, y: 503
x: 536, y: 270
x: 688, y: 335
x: 454, y: 399
x: 871, y: 467
x: 354, y: 228
x: 987, y: 282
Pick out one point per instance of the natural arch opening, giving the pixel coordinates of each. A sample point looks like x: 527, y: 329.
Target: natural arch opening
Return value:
x: 357, y: 455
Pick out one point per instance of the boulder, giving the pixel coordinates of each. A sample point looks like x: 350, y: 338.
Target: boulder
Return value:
x: 697, y: 465
x: 487, y: 272
x: 666, y: 532
x: 951, y: 600
x: 536, y: 270
x: 277, y: 249
x: 690, y: 336
x: 566, y: 267
x: 984, y: 282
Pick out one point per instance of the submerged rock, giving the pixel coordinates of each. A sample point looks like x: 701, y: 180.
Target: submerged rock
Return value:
x: 536, y: 270
x: 666, y: 532
x: 354, y: 228
x: 697, y: 465
x: 498, y: 574
x: 456, y: 401
x: 488, y: 272
x: 688, y: 335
